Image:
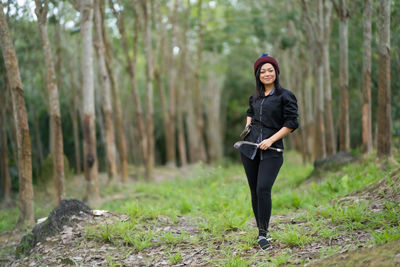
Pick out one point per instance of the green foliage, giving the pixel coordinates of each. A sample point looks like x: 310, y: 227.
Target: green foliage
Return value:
x: 293, y: 235
x: 175, y: 258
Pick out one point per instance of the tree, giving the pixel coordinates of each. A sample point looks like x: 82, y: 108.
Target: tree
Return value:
x: 132, y: 61
x: 200, y: 149
x: 366, y: 107
x: 121, y: 139
x: 384, y: 94
x: 315, y: 32
x: 4, y: 173
x: 343, y: 13
x: 25, y: 201
x: 88, y: 116
x: 52, y: 89
x: 106, y: 94
x: 149, y: 164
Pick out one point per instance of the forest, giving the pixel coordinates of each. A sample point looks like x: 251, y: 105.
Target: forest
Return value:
x: 133, y: 106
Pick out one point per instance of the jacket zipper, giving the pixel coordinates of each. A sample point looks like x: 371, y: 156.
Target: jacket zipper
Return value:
x: 262, y: 101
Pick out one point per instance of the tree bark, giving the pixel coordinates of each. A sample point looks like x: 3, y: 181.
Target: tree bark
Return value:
x: 384, y: 94
x: 149, y: 86
x: 197, y: 96
x: 25, y: 201
x: 213, y: 110
x: 88, y: 118
x: 330, y: 129
x: 106, y: 95
x: 55, y: 114
x: 171, y: 158
x: 5, y: 172
x: 132, y: 73
x: 366, y: 107
x: 315, y: 32
x: 121, y: 139
x: 343, y: 14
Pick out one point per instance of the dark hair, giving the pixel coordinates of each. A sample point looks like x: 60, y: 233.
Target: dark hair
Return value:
x: 260, y: 86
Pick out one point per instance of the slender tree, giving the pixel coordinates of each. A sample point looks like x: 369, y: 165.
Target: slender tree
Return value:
x: 121, y: 139
x: 343, y: 12
x: 330, y: 129
x: 149, y: 88
x: 25, y: 202
x: 384, y: 95
x: 132, y: 75
x: 4, y: 173
x: 201, y: 151
x: 88, y: 120
x: 106, y: 94
x: 52, y: 89
x: 315, y: 32
x: 366, y: 107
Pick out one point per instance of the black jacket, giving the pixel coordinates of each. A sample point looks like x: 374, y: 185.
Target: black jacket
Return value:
x: 269, y: 114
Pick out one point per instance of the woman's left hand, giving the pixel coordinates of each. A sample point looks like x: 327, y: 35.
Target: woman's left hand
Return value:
x: 265, y: 144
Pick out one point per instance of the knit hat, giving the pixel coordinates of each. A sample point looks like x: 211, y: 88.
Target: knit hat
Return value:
x: 265, y: 58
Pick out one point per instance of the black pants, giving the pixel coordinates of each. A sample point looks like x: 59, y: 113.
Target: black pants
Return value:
x: 261, y: 175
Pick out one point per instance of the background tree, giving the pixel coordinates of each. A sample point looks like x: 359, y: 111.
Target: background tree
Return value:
x: 25, y: 201
x: 384, y: 93
x: 52, y: 89
x: 88, y: 111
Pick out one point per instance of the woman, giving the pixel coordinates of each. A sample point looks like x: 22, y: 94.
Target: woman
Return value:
x: 272, y: 115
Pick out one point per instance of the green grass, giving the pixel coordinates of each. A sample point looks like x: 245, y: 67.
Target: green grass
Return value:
x: 218, y: 201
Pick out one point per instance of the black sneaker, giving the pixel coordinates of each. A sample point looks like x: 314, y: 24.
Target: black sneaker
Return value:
x: 268, y: 237
x: 263, y: 242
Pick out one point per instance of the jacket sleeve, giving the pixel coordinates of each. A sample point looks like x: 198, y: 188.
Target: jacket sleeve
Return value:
x: 250, y: 110
x: 290, y: 111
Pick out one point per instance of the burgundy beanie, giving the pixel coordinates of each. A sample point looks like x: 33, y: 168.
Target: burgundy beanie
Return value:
x: 265, y: 59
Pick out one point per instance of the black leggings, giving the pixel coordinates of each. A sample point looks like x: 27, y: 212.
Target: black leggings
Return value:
x: 261, y: 175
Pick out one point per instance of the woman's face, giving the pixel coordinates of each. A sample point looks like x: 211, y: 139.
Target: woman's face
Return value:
x: 267, y: 74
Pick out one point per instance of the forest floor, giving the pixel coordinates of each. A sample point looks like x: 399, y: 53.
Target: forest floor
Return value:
x: 201, y: 216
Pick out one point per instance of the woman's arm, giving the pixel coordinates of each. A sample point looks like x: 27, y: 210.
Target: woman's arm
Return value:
x: 266, y: 143
x: 248, y: 120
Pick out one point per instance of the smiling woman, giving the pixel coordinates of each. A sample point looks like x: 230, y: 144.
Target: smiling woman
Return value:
x: 272, y: 115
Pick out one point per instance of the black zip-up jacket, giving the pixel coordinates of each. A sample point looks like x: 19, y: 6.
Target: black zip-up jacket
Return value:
x: 269, y: 114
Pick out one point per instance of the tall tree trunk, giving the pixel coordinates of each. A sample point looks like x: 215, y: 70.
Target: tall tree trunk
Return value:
x: 106, y: 92
x: 344, y: 139
x: 77, y: 146
x: 75, y: 114
x: 159, y: 69
x: 343, y: 14
x: 197, y: 96
x: 181, y: 92
x: 88, y: 118
x: 149, y: 88
x: 315, y: 34
x: 5, y: 173
x: 384, y: 95
x: 132, y: 73
x: 55, y: 114
x: 330, y: 129
x: 121, y: 139
x: 172, y: 69
x: 25, y: 202
x: 213, y: 111
x: 320, y: 141
x: 366, y: 107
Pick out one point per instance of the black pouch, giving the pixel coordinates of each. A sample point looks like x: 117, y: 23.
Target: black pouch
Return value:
x: 246, y: 131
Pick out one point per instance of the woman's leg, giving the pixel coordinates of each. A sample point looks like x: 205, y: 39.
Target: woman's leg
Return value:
x: 267, y: 171
x: 251, y: 169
